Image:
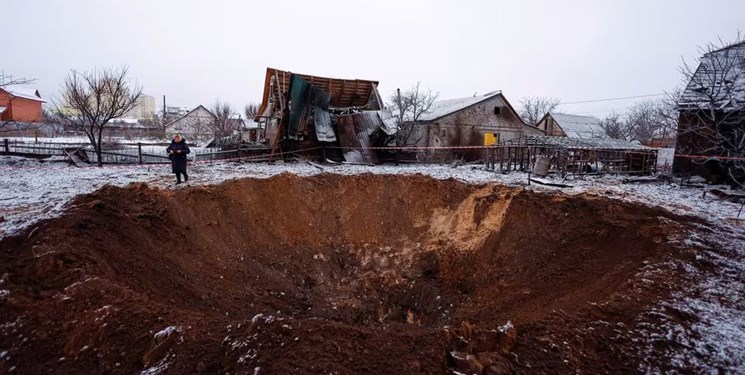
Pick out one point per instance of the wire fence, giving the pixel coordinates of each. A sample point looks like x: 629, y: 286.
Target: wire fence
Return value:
x: 121, y: 153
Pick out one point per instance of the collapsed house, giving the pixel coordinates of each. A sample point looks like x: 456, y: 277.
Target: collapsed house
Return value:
x: 328, y: 118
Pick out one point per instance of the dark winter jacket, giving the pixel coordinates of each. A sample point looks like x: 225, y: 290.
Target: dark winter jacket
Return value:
x: 177, y: 153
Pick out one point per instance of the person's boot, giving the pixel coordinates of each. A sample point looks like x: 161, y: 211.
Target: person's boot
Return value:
x: 178, y: 179
x: 186, y: 177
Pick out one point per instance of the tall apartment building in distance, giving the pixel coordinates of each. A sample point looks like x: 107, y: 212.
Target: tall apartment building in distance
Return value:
x: 144, y: 108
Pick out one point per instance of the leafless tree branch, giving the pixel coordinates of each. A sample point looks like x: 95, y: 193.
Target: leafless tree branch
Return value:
x: 90, y: 100
x: 408, y: 108
x: 223, y: 124
x: 533, y: 108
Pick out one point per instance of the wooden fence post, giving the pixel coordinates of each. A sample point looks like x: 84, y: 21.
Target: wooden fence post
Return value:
x: 7, y: 146
x: 139, y: 152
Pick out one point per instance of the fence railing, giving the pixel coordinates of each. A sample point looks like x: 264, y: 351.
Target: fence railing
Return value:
x: 124, y: 153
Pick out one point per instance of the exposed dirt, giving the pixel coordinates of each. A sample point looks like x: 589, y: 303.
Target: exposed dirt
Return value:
x: 333, y: 274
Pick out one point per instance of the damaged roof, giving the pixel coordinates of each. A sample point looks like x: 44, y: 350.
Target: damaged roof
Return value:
x: 344, y: 93
x: 718, y: 82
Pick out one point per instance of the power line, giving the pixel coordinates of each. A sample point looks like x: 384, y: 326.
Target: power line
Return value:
x: 612, y: 99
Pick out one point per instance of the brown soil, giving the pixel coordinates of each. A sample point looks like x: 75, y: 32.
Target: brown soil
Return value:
x: 332, y: 274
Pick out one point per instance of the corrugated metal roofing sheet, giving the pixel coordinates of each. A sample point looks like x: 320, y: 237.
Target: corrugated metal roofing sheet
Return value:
x: 575, y: 126
x: 354, y: 136
x: 344, y: 92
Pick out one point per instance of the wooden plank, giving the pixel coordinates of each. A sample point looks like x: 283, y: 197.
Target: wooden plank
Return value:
x: 548, y: 183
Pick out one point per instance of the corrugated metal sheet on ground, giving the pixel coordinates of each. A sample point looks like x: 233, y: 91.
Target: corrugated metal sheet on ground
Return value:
x: 354, y: 136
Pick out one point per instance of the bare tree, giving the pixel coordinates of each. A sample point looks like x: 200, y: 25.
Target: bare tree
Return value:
x: 89, y: 101
x: 615, y: 126
x: 533, y: 108
x: 223, y: 124
x: 408, y: 108
x: 668, y: 115
x: 643, y: 121
x: 197, y: 129
x: 9, y: 80
x: 251, y: 110
x: 712, y: 120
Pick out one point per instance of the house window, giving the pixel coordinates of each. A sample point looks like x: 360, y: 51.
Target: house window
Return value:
x: 443, y: 133
x: 497, y: 110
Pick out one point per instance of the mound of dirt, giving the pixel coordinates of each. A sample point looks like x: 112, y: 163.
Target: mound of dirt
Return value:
x: 332, y: 274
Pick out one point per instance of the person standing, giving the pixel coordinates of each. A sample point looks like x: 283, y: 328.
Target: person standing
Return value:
x: 177, y: 152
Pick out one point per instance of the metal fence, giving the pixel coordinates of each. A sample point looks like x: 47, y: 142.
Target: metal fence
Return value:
x: 125, y: 153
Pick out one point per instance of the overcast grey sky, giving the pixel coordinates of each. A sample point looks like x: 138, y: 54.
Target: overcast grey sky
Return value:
x: 197, y: 51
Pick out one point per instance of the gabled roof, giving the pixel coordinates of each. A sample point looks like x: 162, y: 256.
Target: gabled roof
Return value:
x: 24, y: 94
x: 733, y: 45
x: 442, y: 108
x: 576, y: 126
x: 344, y: 92
x: 719, y: 80
x: 190, y: 112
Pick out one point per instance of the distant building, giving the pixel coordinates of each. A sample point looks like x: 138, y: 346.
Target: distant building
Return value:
x: 471, y: 121
x: 172, y: 112
x: 144, y: 108
x: 20, y: 106
x: 195, y: 125
x: 572, y: 126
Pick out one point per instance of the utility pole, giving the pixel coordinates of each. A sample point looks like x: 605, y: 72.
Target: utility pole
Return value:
x: 164, y: 109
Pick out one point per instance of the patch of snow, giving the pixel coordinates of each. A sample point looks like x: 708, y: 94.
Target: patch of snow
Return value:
x: 157, y: 368
x: 251, y: 354
x: 165, y: 332
x: 4, y: 293
x: 506, y: 327
x: 256, y: 318
x: 665, y: 159
x: 714, y: 299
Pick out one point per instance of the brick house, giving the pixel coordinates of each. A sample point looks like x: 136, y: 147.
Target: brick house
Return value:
x: 16, y: 105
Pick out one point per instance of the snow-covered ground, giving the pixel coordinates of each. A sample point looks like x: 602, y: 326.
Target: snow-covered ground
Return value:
x: 665, y: 159
x: 31, y: 191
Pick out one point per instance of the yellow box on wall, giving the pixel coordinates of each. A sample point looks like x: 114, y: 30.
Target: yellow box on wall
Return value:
x: 490, y: 139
